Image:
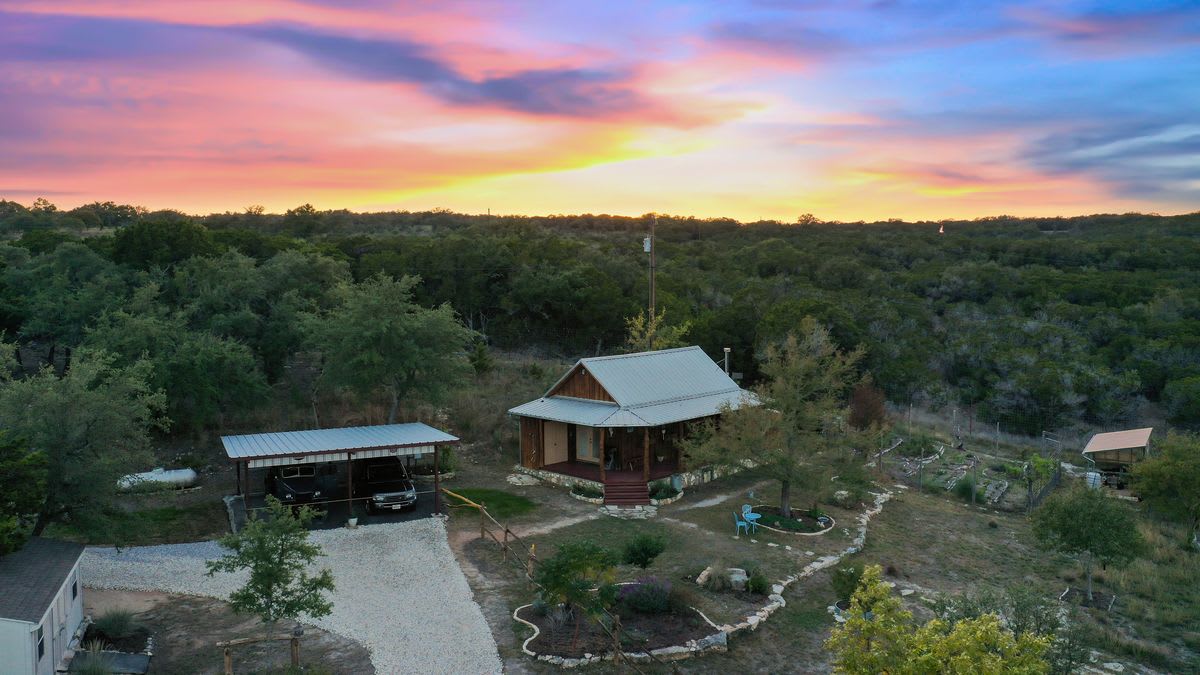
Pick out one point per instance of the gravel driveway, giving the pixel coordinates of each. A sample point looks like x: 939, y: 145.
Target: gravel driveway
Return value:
x: 400, y: 592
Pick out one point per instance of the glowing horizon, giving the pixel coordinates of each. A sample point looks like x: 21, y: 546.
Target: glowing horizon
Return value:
x: 753, y: 109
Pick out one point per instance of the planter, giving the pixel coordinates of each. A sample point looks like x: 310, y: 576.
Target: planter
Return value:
x: 830, y: 526
x: 352, y: 522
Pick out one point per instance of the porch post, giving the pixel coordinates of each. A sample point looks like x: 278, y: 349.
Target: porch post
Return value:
x: 646, y: 454
x: 237, y: 467
x: 603, y: 459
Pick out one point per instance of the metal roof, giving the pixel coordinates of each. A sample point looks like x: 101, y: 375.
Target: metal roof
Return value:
x: 289, y: 443
x: 32, y: 576
x: 1119, y: 440
x: 650, y: 389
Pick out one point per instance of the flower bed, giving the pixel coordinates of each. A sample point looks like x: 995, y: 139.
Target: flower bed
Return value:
x: 653, y: 616
x: 805, y: 525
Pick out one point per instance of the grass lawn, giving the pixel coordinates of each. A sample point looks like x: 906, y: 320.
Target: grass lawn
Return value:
x: 500, y: 504
x: 155, y: 525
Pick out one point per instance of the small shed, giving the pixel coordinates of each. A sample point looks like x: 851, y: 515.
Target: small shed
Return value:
x: 1118, y: 451
x: 41, y: 606
x: 333, y: 448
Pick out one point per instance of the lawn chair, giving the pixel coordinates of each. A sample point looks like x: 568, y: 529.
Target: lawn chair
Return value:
x: 741, y: 524
x: 746, y: 508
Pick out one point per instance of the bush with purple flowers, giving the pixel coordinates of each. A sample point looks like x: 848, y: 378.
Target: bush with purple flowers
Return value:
x: 650, y: 595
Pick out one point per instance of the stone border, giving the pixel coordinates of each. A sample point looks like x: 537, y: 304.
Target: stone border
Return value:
x: 719, y: 641
x: 832, y: 524
x: 428, y: 478
x: 668, y: 500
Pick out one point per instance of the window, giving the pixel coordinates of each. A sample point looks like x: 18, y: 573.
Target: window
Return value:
x: 74, y: 588
x: 297, y: 472
x: 41, y: 642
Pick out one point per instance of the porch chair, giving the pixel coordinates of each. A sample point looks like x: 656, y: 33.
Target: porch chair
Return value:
x: 746, y: 508
x: 740, y: 524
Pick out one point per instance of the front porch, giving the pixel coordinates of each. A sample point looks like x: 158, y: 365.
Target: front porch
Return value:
x: 591, y: 471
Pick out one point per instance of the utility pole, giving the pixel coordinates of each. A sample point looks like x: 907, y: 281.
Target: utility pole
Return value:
x: 648, y: 245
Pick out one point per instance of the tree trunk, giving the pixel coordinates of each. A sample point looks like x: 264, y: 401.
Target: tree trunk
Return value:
x: 43, y: 520
x: 1087, y: 567
x: 395, y: 406
x: 785, y: 498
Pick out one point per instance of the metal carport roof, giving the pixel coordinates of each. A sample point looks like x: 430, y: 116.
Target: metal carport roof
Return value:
x: 317, y: 441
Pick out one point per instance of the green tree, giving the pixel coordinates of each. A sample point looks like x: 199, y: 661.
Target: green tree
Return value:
x: 22, y: 491
x: 377, y: 339
x: 578, y: 578
x: 1089, y: 526
x: 1182, y: 400
x: 276, y: 552
x: 801, y: 418
x: 1169, y: 481
x: 161, y: 240
x: 92, y: 424
x: 880, y: 636
x: 644, y: 333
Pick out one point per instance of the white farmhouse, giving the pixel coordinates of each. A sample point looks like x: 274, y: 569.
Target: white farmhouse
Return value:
x: 41, y: 606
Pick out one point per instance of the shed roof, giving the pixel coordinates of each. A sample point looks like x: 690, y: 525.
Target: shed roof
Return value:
x: 1119, y: 440
x: 313, y: 441
x: 650, y: 389
x: 32, y: 576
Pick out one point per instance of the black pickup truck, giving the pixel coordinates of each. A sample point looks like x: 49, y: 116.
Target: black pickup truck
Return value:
x: 387, y: 486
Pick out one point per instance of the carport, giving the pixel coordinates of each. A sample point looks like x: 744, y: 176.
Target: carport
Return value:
x: 336, y: 450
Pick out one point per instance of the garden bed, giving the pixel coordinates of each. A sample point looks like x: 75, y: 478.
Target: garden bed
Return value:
x: 639, y: 632
x: 806, y: 524
x: 132, y: 641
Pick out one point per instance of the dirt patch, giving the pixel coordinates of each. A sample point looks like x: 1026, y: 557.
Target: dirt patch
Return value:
x: 187, y: 628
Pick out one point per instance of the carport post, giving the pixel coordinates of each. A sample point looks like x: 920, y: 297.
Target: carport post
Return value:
x: 437, y: 483
x: 350, y: 480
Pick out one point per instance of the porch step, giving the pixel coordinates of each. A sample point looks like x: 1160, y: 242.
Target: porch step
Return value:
x: 626, y: 494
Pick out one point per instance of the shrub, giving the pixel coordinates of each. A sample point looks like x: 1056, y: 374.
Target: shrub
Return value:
x: 845, y: 580
x: 816, y: 513
x: 965, y: 487
x: 718, y: 579
x: 993, y: 524
x: 649, y: 595
x: 642, y: 550
x: 662, y: 489
x: 758, y: 583
x: 116, y: 624
x: 588, y: 491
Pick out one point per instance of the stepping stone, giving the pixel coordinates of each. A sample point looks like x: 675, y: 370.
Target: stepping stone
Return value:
x: 771, y: 543
x: 907, y: 591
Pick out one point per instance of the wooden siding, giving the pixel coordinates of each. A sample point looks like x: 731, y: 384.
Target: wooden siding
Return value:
x: 531, y: 443
x: 581, y: 384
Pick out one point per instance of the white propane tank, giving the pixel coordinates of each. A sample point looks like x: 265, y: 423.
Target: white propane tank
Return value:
x: 176, y: 478
x: 1094, y: 479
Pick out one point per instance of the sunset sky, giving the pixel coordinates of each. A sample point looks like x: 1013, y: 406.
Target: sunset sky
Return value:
x: 770, y: 109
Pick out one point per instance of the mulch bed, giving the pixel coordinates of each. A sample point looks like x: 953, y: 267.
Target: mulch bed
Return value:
x: 133, y: 643
x: 806, y: 522
x: 640, y: 632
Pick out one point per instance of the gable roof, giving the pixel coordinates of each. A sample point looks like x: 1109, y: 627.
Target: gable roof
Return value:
x: 32, y: 576
x: 649, y: 389
x: 1119, y: 440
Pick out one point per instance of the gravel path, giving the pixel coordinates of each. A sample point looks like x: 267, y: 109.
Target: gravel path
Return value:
x: 400, y: 592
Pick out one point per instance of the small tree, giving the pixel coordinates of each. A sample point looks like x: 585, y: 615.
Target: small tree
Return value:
x: 1170, y: 481
x: 644, y: 332
x: 1089, y: 526
x: 579, y: 576
x: 277, y: 553
x: 880, y: 636
x: 800, y: 419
